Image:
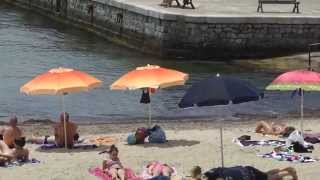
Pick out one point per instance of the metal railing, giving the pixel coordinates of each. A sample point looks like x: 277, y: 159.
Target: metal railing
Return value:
x: 311, y: 47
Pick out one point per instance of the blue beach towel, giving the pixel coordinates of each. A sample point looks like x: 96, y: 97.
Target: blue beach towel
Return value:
x: 20, y: 163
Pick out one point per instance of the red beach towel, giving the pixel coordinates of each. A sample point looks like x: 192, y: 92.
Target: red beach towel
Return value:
x: 130, y: 175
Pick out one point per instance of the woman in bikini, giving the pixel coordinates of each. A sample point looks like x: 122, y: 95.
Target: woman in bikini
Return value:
x: 272, y: 128
x: 113, y: 165
x: 159, y: 169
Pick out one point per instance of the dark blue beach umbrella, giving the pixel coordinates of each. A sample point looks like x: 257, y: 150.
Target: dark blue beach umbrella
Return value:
x: 220, y: 91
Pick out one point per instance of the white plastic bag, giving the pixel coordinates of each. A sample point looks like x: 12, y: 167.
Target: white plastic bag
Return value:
x: 296, y: 136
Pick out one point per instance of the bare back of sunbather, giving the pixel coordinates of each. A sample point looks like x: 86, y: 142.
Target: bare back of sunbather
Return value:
x: 270, y: 128
x: 59, y: 132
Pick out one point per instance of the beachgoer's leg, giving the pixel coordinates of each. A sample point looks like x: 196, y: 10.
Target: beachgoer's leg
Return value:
x: 121, y: 174
x: 104, y: 164
x: 4, y: 148
x: 114, y: 173
x: 263, y: 127
x: 156, y: 172
x: 166, y: 170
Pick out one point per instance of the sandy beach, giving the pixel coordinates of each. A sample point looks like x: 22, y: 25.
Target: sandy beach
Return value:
x: 189, y: 143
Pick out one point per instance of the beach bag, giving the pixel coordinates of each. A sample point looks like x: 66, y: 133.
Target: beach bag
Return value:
x: 157, y: 135
x: 298, y: 148
x: 295, y: 136
x: 141, y: 134
x: 131, y: 139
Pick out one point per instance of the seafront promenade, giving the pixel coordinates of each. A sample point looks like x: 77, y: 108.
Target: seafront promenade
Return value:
x: 215, y: 29
x: 228, y: 8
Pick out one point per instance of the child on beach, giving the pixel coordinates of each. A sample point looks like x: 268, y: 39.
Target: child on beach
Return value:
x: 113, y: 165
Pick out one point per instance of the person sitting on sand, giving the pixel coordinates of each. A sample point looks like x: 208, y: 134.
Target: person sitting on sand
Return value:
x: 17, y: 153
x: 11, y: 132
x: 272, y: 128
x: 59, y: 131
x: 113, y: 165
x: 244, y: 172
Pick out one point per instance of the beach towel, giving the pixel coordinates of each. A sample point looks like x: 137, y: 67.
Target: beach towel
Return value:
x: 247, y: 143
x: 104, y: 140
x: 75, y: 146
x: 47, y: 140
x: 287, y: 156
x: 97, y: 171
x: 20, y: 163
x: 160, y: 178
x: 312, y: 137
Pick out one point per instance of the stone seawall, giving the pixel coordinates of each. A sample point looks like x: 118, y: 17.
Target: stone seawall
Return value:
x: 175, y: 35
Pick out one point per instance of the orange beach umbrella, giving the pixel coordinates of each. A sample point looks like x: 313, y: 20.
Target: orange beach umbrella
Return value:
x: 149, y: 76
x: 60, y: 81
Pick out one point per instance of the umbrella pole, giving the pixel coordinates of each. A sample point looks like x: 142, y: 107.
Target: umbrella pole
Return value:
x: 221, y: 145
x: 149, y: 121
x: 64, y: 123
x: 301, y: 110
x: 149, y: 108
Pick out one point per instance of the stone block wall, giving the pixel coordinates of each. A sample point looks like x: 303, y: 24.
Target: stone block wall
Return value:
x: 183, y: 36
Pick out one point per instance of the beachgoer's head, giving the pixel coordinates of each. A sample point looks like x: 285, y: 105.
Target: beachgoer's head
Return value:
x: 64, y: 115
x: 196, y: 172
x: 13, y: 121
x: 20, y: 142
x: 113, y: 152
x: 287, y: 131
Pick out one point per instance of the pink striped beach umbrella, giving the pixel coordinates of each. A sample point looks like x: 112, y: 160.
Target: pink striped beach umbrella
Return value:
x: 301, y: 80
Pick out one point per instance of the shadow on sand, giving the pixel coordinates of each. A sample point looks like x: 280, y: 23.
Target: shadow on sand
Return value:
x: 77, y: 150
x: 171, y: 143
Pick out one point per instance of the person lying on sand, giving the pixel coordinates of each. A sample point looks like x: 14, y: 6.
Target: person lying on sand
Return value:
x: 59, y: 131
x: 159, y: 169
x: 11, y: 132
x: 272, y: 128
x: 50, y: 139
x: 243, y: 172
x: 17, y: 153
x: 113, y: 165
